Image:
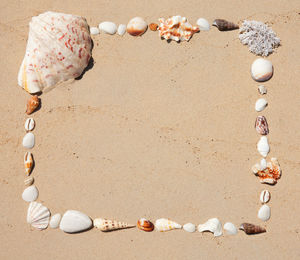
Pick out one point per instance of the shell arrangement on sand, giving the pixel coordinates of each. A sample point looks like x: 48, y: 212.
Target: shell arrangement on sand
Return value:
x: 58, y: 49
x: 110, y: 225
x: 38, y: 215
x: 269, y: 175
x: 176, y: 28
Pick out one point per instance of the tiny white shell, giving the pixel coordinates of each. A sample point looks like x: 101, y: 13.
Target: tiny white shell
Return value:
x: 263, y: 146
x: 263, y: 164
x: 261, y: 69
x: 55, y: 220
x: 265, y: 196
x: 29, y: 140
x: 31, y: 193
x: 38, y: 215
x: 262, y: 89
x: 213, y: 225
x: 203, y: 24
x: 29, y: 124
x: 230, y: 228
x: 264, y: 213
x: 189, y: 227
x: 108, y: 27
x: 122, y: 29
x: 260, y: 104
x: 94, y: 30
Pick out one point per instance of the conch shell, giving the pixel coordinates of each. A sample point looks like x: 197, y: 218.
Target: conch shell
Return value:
x: 145, y: 224
x: 164, y: 224
x: 269, y: 175
x: 28, y: 162
x: 58, y: 48
x: 32, y: 104
x: 176, y: 28
x: 224, y: 25
x: 110, y: 225
x: 250, y: 229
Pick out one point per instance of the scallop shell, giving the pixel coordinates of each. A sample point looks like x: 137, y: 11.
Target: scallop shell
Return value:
x: 261, y: 70
x: 224, y: 25
x: 269, y: 175
x: 29, y: 124
x: 213, y: 225
x: 28, y: 162
x: 137, y: 26
x: 203, y: 24
x: 263, y: 146
x: 110, y: 225
x: 260, y: 104
x: 108, y: 27
x: 265, y: 196
x: 58, y: 49
x: 230, y: 228
x: 264, y: 213
x: 32, y: 104
x: 38, y: 215
x: 145, y: 224
x: 164, y: 224
x: 176, y: 28
x: 250, y: 229
x: 261, y: 125
x: 153, y: 26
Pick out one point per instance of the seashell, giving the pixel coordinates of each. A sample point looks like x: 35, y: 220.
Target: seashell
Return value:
x: 122, y: 29
x: 263, y: 164
x: 176, y: 28
x: 145, y: 225
x: 263, y: 146
x: 29, y: 140
x: 110, y: 225
x: 29, y: 124
x: 230, y: 228
x: 153, y: 26
x: 164, y: 224
x: 32, y: 104
x: 261, y: 125
x: 260, y: 104
x: 108, y: 27
x: 261, y: 70
x: 265, y: 196
x: 262, y: 90
x: 250, y: 229
x: 28, y: 181
x: 213, y: 225
x: 136, y: 26
x: 55, y: 220
x: 74, y: 221
x: 264, y: 212
x: 203, y: 24
x: 28, y: 162
x: 269, y: 175
x: 189, y: 227
x: 38, y: 215
x: 58, y: 49
x: 94, y: 30
x: 31, y: 193
x: 224, y: 25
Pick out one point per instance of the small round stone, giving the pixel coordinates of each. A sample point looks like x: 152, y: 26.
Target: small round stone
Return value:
x: 189, y: 227
x: 30, y: 194
x: 29, y: 140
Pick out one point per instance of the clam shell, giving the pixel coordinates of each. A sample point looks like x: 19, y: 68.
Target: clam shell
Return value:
x: 250, y: 229
x: 261, y: 70
x: 29, y: 124
x: 108, y: 27
x: 32, y: 104
x: 94, y: 30
x: 189, y: 227
x: 230, y: 228
x: 110, y: 225
x: 28, y: 163
x: 38, y: 215
x: 213, y: 225
x: 224, y: 25
x: 263, y: 146
x: 164, y: 224
x: 28, y: 140
x: 31, y: 193
x: 74, y: 221
x: 203, y: 24
x: 136, y: 26
x: 122, y: 29
x: 261, y: 125
x: 264, y: 212
x: 261, y: 104
x: 262, y: 90
x: 265, y: 196
x: 28, y: 181
x: 55, y: 220
x: 145, y: 224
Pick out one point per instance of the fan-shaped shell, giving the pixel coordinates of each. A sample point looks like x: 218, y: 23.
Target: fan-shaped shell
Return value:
x: 38, y: 215
x: 58, y: 49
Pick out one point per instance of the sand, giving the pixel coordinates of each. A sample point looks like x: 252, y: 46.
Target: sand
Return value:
x: 154, y: 130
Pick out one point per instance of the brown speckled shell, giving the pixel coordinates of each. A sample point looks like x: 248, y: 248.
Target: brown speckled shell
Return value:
x: 224, y: 25
x: 153, y: 26
x: 250, y: 229
x: 32, y: 104
x: 145, y: 225
x: 261, y: 125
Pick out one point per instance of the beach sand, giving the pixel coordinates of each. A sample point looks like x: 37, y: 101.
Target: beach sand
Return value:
x: 154, y: 130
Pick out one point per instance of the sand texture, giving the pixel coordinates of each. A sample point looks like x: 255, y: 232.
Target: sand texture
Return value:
x: 154, y: 130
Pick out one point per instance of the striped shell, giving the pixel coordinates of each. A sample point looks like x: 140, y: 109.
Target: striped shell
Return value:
x: 28, y: 163
x: 164, y: 224
x: 38, y: 215
x: 110, y: 225
x: 250, y: 229
x: 146, y: 225
x: 261, y: 125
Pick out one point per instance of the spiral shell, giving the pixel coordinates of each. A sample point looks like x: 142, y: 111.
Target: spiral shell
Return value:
x: 32, y: 104
x: 250, y: 229
x: 110, y: 225
x: 224, y: 25
x: 145, y: 224
x: 28, y: 162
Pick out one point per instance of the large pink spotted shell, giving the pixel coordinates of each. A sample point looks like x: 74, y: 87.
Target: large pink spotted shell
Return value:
x: 58, y: 48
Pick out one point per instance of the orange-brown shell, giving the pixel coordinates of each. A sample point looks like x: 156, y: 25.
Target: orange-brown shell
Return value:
x: 271, y: 174
x: 250, y: 229
x: 32, y: 104
x: 224, y: 25
x: 28, y: 163
x: 145, y: 225
x: 153, y: 26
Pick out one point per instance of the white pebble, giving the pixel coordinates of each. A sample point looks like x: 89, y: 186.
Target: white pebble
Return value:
x: 203, y: 24
x: 29, y: 124
x: 55, y: 220
x: 122, y: 29
x: 74, y: 221
x: 230, y: 228
x: 261, y: 70
x: 260, y: 104
x: 108, y: 27
x: 189, y: 227
x: 264, y: 213
x: 94, y: 30
x: 29, y: 140
x: 30, y: 194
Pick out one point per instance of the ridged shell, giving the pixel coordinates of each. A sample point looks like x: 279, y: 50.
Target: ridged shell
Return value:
x: 224, y: 25
x: 110, y: 225
x: 261, y: 125
x: 213, y: 225
x: 58, y: 49
x: 137, y: 26
x: 28, y: 163
x: 28, y: 181
x: 32, y: 104
x: 38, y: 215
x: 269, y: 175
x: 164, y: 224
x: 263, y: 146
x: 250, y: 229
x: 145, y: 224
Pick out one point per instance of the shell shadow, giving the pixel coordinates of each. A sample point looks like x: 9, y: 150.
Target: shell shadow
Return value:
x: 90, y: 64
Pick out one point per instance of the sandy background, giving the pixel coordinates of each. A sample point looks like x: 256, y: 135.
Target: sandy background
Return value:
x: 153, y: 130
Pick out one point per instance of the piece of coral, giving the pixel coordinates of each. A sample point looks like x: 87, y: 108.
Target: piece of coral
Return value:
x: 260, y: 38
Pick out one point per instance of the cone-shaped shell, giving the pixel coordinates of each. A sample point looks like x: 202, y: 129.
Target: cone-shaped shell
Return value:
x: 145, y: 224
x: 110, y: 225
x: 164, y: 224
x: 28, y: 163
x: 32, y: 104
x: 261, y: 125
x: 213, y: 225
x: 250, y: 229
x: 38, y: 215
x: 224, y: 25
